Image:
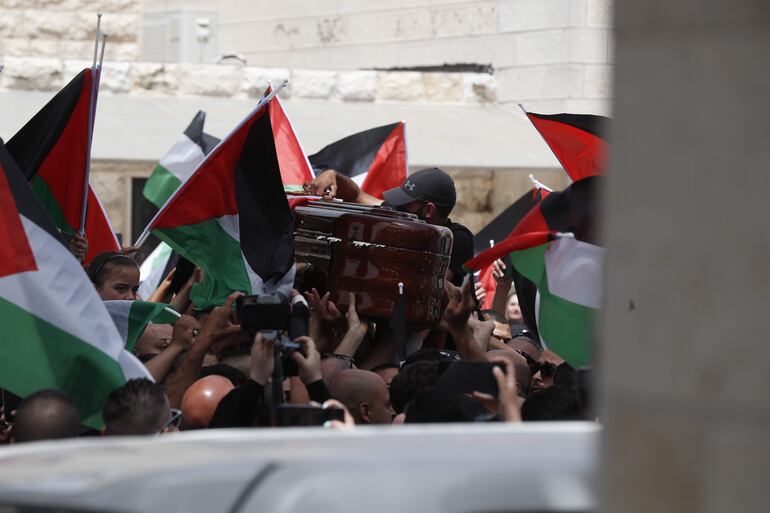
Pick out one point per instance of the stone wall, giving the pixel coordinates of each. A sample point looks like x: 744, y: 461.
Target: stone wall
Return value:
x: 50, y: 74
x: 553, y: 55
x: 66, y: 28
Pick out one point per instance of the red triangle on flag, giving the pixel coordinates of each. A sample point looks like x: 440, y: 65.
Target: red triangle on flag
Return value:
x: 389, y: 168
x: 295, y: 167
x: 15, y: 253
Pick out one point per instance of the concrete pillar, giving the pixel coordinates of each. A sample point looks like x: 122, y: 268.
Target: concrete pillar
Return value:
x: 685, y: 353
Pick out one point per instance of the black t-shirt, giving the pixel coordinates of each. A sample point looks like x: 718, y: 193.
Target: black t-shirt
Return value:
x: 462, y: 250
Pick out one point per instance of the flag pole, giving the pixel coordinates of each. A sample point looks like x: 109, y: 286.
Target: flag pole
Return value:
x: 262, y: 102
x: 539, y: 185
x: 91, y: 106
x: 521, y: 106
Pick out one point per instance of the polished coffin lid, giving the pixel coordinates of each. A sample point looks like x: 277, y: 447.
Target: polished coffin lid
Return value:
x: 369, y: 251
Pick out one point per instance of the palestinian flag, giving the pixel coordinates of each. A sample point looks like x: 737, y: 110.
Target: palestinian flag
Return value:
x: 579, y: 141
x: 179, y: 163
x: 132, y: 317
x: 155, y: 268
x: 231, y: 217
x: 292, y: 160
x: 567, y: 270
x: 375, y: 159
x: 56, y: 331
x: 498, y: 229
x: 52, y: 151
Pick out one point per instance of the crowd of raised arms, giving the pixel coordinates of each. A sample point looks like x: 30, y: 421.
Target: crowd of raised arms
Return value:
x: 341, y: 371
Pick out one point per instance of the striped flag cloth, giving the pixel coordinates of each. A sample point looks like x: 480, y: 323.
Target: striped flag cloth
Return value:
x: 179, y: 163
x: 51, y: 150
x: 56, y: 331
x: 292, y: 159
x: 579, y: 141
x: 132, y: 317
x: 376, y: 159
x: 554, y: 248
x: 231, y: 217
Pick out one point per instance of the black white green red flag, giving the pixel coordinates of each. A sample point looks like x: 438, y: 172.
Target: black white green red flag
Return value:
x: 56, y: 331
x: 554, y: 247
x: 179, y: 163
x: 376, y: 159
x: 52, y: 151
x: 231, y: 217
x: 579, y: 141
x: 292, y: 159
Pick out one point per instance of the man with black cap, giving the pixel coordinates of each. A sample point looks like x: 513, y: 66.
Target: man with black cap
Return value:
x: 428, y: 193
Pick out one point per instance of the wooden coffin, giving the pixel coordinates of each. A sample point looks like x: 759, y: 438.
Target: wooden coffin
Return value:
x: 369, y: 251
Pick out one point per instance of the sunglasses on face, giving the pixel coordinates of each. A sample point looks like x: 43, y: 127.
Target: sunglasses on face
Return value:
x: 547, y: 369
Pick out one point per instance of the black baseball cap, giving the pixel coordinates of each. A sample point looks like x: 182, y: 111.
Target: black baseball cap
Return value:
x: 429, y: 185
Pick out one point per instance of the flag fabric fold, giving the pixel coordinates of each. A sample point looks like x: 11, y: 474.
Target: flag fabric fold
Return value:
x: 579, y: 141
x: 292, y: 159
x: 179, y: 163
x: 565, y: 270
x: 57, y: 332
x: 376, y: 159
x: 52, y: 150
x: 232, y: 218
x: 132, y: 317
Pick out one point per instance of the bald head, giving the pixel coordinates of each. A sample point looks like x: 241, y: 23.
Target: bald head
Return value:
x: 46, y: 415
x: 200, y: 401
x: 365, y: 395
x: 523, y: 374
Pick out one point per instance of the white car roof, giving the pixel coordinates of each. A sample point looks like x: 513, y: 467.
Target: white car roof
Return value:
x: 462, y: 468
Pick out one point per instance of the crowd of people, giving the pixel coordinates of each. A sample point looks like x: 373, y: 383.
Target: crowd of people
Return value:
x: 209, y: 373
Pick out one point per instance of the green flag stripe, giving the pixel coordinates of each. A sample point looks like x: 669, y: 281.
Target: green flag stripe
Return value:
x: 52, y: 206
x: 160, y: 186
x: 566, y: 327
x: 209, y: 246
x: 140, y: 315
x: 36, y: 355
x: 531, y: 262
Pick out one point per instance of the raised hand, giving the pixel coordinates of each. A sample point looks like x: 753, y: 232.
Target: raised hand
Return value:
x: 308, y: 360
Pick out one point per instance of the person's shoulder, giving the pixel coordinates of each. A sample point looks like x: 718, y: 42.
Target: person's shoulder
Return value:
x: 459, y: 229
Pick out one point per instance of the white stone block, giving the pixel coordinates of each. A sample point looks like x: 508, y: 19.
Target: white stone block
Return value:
x: 53, y: 24
x: 32, y: 73
x: 599, y: 13
x: 443, y: 87
x: 72, y: 67
x: 519, y: 15
x: 400, y: 86
x: 357, y: 86
x: 44, y: 48
x: 312, y: 83
x: 122, y: 51
x: 598, y: 82
x: 467, y: 18
x: 552, y: 82
x: 119, y: 26
x: 209, y: 79
x: 116, y: 77
x: 585, y: 45
x: 254, y: 81
x: 16, y: 46
x: 75, y: 50
x: 479, y: 88
x: 154, y: 77
x: 11, y: 23
x: 540, y: 47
